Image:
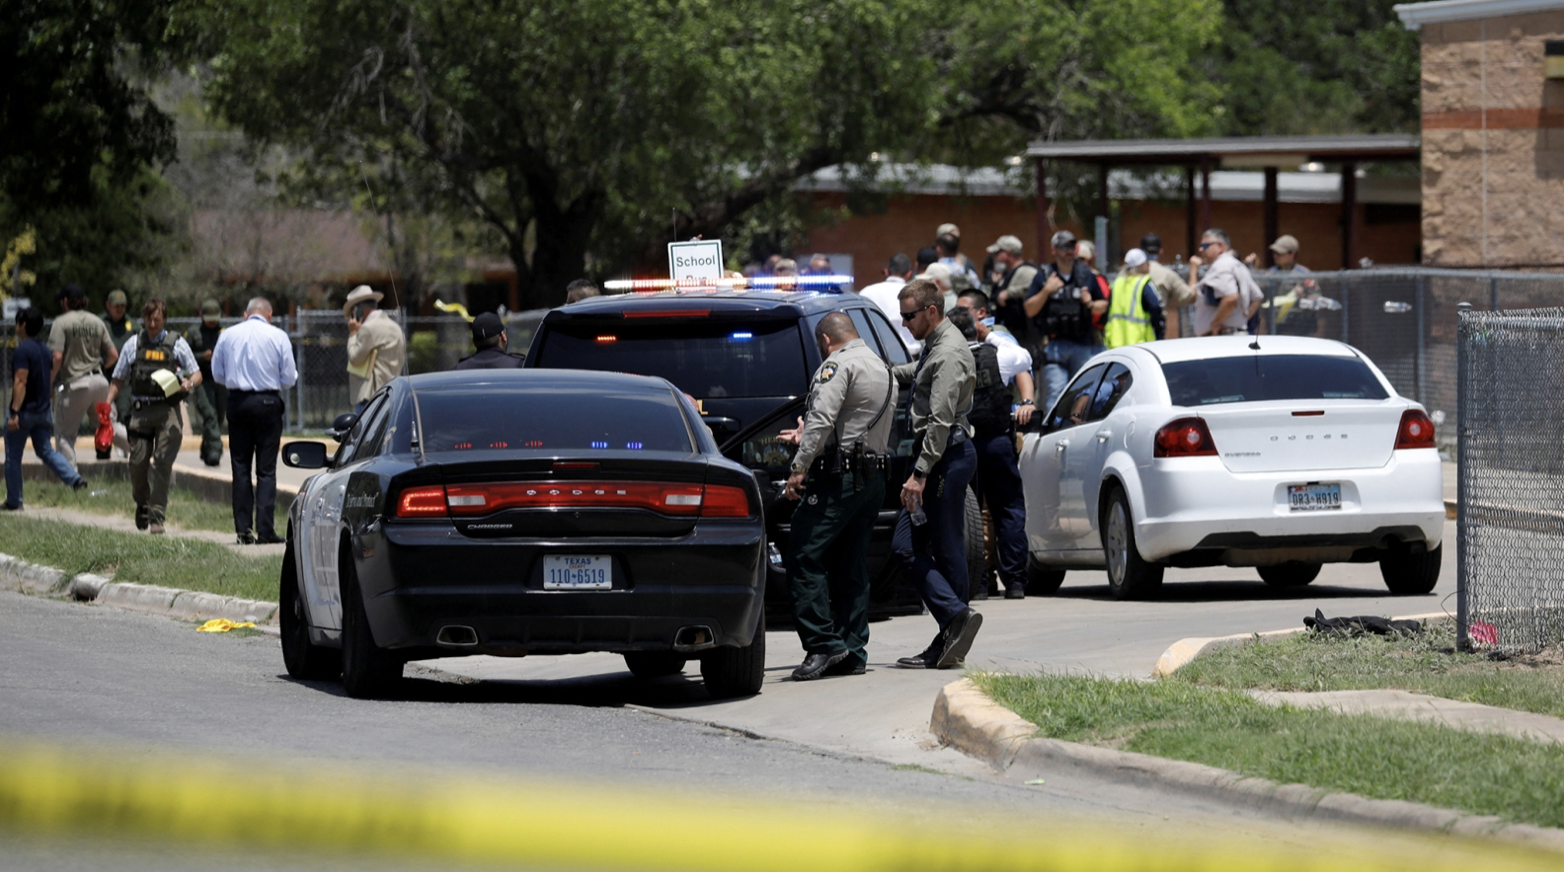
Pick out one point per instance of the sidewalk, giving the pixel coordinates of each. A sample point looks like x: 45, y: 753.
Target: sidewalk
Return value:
x: 1401, y: 705
x: 127, y: 525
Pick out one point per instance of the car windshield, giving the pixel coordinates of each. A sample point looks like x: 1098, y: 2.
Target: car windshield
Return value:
x: 1270, y: 377
x: 704, y: 359
x: 552, y: 419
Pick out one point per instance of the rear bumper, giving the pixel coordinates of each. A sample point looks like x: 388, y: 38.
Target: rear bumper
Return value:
x: 1195, y: 504
x: 428, y: 577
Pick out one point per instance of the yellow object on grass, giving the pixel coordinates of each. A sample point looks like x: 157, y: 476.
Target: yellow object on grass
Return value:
x: 222, y: 625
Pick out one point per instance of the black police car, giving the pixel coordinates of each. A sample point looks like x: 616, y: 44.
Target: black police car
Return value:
x: 746, y: 357
x: 515, y: 512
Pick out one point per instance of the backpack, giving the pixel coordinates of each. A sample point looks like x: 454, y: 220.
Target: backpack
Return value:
x: 990, y: 414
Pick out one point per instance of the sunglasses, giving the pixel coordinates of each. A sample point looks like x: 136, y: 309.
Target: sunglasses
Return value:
x: 1206, y: 245
x: 908, y: 316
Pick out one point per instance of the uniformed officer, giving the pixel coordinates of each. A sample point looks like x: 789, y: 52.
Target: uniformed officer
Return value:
x: 928, y: 538
x: 489, y: 336
x: 161, y: 372
x: 839, y: 471
x: 121, y: 328
x: 209, y: 404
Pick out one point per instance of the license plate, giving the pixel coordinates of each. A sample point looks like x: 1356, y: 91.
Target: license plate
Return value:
x: 1313, y: 497
x: 578, y: 572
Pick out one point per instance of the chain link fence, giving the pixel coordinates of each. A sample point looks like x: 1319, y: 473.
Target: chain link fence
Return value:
x: 1511, y: 484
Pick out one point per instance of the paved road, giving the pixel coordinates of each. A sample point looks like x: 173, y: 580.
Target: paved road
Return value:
x: 97, y: 678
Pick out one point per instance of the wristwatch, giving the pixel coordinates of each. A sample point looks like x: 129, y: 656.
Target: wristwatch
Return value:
x: 1026, y: 403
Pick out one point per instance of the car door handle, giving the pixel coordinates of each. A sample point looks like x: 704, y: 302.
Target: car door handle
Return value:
x: 1063, y: 444
x: 1104, y: 435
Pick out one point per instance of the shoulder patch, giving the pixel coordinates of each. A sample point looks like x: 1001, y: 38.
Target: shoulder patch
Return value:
x: 828, y: 372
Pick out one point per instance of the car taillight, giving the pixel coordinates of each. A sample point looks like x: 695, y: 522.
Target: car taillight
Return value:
x: 680, y: 500
x: 1185, y: 437
x: 725, y: 501
x: 422, y: 502
x: 1416, y: 430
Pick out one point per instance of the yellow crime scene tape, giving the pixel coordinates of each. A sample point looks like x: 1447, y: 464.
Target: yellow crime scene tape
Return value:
x: 51, y: 791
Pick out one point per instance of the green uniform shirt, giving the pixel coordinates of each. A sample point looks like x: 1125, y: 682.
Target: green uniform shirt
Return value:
x: 942, y: 383
x: 850, y: 400
x: 119, y: 331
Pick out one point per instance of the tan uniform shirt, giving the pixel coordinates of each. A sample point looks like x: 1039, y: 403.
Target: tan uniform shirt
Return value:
x: 942, y: 383
x: 83, y: 341
x: 1175, y: 292
x: 1227, y: 277
x: 378, y: 335
x: 851, y: 399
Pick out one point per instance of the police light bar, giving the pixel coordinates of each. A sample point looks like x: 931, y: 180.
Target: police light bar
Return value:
x: 758, y: 283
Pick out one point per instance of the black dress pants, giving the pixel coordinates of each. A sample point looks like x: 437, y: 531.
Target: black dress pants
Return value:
x: 255, y: 431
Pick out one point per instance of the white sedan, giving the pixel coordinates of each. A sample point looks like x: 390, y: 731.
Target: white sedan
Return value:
x: 1278, y: 452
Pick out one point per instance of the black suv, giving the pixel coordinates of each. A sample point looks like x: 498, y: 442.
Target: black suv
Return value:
x: 747, y: 357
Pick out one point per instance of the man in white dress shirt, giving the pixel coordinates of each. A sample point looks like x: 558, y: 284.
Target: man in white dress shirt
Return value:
x: 884, y: 294
x: 254, y: 360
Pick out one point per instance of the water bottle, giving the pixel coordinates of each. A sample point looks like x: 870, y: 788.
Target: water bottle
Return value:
x: 917, y: 516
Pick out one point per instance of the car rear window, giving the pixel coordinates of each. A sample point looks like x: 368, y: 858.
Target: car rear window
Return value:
x: 552, y: 419
x: 1270, y: 377
x: 706, y: 359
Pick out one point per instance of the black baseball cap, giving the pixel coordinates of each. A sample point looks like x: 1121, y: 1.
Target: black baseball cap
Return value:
x: 72, y: 292
x: 1151, y: 243
x: 487, y: 326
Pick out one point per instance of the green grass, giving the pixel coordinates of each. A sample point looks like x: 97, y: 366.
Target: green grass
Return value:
x: 1426, y: 663
x: 111, y: 496
x: 170, y: 561
x: 1512, y: 778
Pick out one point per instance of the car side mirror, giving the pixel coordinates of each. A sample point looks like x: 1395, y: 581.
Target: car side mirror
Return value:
x: 304, y: 455
x: 341, y: 426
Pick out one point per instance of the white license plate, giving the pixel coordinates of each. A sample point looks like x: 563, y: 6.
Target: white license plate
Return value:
x: 1313, y: 497
x: 578, y: 572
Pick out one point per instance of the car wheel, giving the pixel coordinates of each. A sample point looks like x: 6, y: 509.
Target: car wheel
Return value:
x: 731, y: 672
x: 368, y: 671
x: 1408, y: 573
x: 1129, y: 577
x: 1293, y: 573
x: 977, y: 557
x: 305, y: 661
x: 1042, y: 580
x: 655, y: 664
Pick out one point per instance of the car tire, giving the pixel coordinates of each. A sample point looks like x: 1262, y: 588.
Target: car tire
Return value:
x: 735, y: 672
x: 655, y: 664
x: 304, y: 661
x: 1409, y: 573
x: 977, y: 557
x: 368, y: 671
x: 1293, y: 573
x: 1042, y: 580
x: 1129, y: 576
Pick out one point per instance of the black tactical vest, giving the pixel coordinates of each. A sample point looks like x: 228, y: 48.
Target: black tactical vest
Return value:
x: 990, y: 415
x: 151, y: 357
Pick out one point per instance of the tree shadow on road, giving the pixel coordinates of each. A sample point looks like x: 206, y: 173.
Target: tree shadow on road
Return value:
x: 1231, y: 591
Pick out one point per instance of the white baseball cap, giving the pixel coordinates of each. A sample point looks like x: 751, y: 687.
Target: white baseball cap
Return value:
x: 1134, y: 258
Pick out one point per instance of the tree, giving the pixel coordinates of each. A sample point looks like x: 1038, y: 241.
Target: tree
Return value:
x: 598, y: 128
x: 1317, y: 67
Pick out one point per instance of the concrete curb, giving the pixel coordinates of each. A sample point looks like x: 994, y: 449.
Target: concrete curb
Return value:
x: 190, y: 605
x: 1184, y: 650
x: 966, y: 719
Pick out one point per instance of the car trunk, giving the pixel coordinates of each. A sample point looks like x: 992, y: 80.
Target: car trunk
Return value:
x: 570, y: 497
x: 1301, y: 435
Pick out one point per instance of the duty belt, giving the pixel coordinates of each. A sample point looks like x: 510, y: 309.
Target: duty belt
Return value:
x: 834, y: 462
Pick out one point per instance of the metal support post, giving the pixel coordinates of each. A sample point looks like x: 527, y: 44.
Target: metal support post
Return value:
x: 1422, y: 344
x: 1462, y: 372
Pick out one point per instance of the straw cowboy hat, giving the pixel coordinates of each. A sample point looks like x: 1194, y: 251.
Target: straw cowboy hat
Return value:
x: 360, y: 294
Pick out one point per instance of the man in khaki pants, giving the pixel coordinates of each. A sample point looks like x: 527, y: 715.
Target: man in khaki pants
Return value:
x: 82, y: 350
x: 376, y: 346
x: 161, y: 371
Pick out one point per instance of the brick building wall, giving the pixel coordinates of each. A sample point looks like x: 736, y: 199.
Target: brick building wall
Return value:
x: 1493, y: 143
x: 909, y: 223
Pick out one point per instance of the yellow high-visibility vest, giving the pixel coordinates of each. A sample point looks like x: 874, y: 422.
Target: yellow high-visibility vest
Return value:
x: 1128, y: 321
